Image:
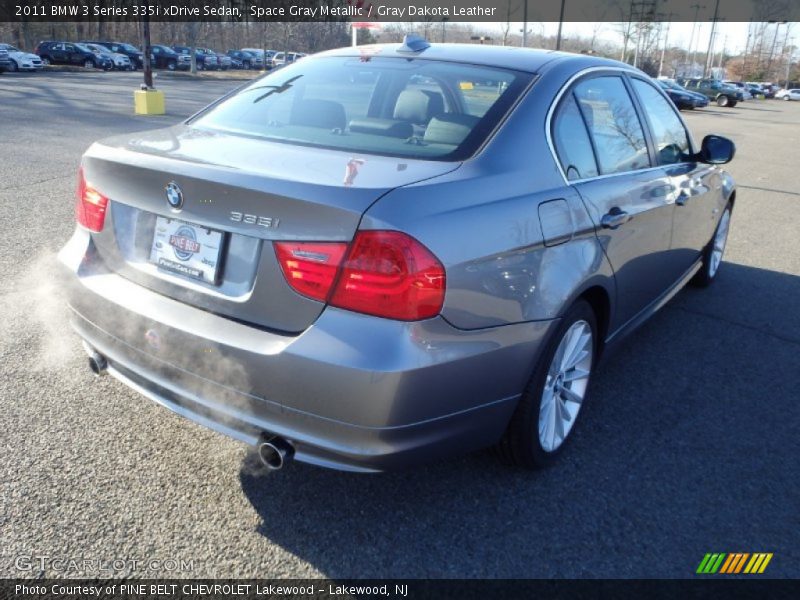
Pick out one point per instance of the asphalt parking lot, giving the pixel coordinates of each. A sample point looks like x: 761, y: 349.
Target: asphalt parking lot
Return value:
x: 690, y: 443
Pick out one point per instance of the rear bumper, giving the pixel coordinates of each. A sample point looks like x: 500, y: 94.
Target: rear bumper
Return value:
x: 351, y: 392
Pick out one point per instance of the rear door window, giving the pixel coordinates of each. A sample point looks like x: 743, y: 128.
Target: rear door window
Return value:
x: 572, y: 143
x: 613, y: 124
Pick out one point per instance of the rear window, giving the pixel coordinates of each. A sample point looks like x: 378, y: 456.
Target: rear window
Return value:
x: 407, y: 107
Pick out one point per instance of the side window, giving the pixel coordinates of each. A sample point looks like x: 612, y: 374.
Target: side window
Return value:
x: 573, y: 146
x: 669, y: 135
x: 613, y: 124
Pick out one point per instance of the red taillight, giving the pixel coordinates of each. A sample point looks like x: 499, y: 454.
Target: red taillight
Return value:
x: 90, y: 205
x: 390, y: 274
x: 385, y: 273
x: 311, y: 267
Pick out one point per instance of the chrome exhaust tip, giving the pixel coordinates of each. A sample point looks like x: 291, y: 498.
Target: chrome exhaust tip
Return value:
x: 98, y: 364
x: 274, y: 452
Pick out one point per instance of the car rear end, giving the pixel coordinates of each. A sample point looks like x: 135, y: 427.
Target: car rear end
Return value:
x: 226, y: 274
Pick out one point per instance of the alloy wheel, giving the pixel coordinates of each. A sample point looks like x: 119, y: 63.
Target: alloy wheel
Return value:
x: 720, y: 240
x: 565, y: 386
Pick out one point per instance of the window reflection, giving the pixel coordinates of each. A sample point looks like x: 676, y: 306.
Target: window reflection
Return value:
x: 614, y: 125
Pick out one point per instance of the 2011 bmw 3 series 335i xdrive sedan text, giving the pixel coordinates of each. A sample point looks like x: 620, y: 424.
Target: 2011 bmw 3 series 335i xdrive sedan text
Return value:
x: 385, y: 255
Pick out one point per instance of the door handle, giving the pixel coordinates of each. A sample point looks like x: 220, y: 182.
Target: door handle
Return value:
x: 614, y: 218
x: 682, y: 199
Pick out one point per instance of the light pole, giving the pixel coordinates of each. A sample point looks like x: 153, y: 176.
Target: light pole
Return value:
x: 774, y: 42
x: 696, y: 8
x: 714, y: 20
x: 525, y: 24
x: 664, y: 49
x: 560, y: 23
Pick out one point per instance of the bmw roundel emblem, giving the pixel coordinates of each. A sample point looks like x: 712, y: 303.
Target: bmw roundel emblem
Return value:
x: 174, y: 196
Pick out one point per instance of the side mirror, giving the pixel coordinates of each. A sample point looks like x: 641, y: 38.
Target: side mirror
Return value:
x: 716, y: 150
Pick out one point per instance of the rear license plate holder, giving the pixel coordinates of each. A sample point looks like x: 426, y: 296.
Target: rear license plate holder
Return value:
x: 187, y: 249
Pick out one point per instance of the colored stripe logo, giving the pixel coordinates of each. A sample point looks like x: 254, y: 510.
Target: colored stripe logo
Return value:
x: 733, y: 563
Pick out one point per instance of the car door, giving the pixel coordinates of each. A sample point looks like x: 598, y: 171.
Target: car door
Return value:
x: 604, y: 154
x: 71, y: 55
x: 58, y: 53
x: 695, y: 185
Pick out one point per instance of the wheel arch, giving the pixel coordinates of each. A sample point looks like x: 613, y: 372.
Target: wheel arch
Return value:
x: 600, y: 300
x: 599, y: 293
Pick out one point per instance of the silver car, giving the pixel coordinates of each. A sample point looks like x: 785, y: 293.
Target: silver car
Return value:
x: 389, y: 254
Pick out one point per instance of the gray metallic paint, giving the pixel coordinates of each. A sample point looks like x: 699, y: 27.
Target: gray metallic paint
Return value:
x: 519, y: 245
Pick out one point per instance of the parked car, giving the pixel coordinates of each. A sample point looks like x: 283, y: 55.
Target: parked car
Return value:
x: 19, y: 60
x: 206, y: 60
x: 365, y: 303
x: 223, y: 60
x: 768, y: 89
x: 680, y: 98
x: 700, y: 100
x: 265, y: 57
x: 723, y: 95
x: 164, y: 57
x: 756, y: 91
x: 791, y: 94
x: 742, y: 87
x: 245, y: 59
x: 120, y: 61
x: 5, y: 61
x: 280, y: 59
x: 72, y: 53
x: 134, y: 55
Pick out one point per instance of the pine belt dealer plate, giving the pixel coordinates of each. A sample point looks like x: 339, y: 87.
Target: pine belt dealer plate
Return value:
x: 187, y: 249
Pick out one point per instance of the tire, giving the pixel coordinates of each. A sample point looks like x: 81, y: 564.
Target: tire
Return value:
x: 786, y: 97
x: 45, y: 61
x: 723, y: 100
x: 200, y: 66
x: 714, y: 251
x: 532, y: 439
x: 89, y: 64
x: 246, y: 66
x: 171, y: 65
x: 13, y: 67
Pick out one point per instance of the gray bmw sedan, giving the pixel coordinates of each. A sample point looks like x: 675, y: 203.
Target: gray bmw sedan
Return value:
x: 384, y: 255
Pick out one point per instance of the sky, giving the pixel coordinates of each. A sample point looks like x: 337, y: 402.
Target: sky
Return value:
x: 732, y: 35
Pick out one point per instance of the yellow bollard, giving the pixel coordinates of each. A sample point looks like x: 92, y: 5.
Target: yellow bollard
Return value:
x: 148, y: 102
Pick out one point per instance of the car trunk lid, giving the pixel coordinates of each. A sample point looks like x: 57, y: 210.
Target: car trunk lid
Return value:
x: 237, y: 196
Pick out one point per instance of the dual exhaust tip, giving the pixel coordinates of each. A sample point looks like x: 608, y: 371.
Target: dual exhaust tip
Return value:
x: 273, y: 451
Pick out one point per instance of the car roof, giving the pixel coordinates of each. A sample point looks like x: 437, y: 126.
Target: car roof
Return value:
x: 510, y: 57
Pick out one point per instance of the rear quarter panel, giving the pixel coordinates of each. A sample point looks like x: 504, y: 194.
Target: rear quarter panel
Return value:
x: 482, y: 221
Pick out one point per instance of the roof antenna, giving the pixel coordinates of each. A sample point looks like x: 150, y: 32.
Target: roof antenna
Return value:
x: 413, y: 43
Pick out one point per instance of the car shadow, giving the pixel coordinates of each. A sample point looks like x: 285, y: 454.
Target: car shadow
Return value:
x: 742, y: 106
x: 670, y: 457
